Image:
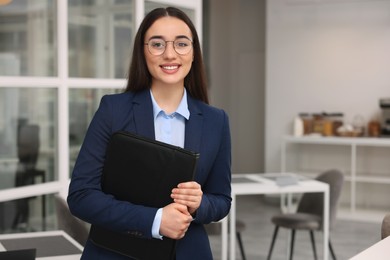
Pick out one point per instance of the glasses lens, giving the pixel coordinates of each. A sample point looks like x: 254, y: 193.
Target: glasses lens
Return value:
x: 182, y: 46
x: 156, y: 46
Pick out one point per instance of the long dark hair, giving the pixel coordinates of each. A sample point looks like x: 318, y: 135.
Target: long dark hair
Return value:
x: 139, y: 76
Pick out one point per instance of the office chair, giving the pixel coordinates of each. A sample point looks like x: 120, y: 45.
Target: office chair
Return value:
x: 215, y: 229
x: 28, y: 149
x: 74, y: 227
x: 309, y: 212
x: 385, y: 231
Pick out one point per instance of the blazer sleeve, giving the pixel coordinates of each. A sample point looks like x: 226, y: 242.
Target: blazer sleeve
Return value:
x: 215, y: 175
x: 86, y: 199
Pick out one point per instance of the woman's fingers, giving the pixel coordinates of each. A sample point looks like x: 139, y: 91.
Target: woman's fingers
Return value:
x: 189, y: 194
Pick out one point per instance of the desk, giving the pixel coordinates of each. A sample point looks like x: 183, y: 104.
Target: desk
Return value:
x: 255, y: 183
x: 378, y: 251
x: 53, y: 245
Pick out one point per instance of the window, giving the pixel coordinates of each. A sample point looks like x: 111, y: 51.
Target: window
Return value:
x: 57, y: 59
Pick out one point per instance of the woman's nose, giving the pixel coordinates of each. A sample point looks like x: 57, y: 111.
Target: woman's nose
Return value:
x: 169, y: 50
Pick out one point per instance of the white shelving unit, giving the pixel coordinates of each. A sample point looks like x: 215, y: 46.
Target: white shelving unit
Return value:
x: 347, y: 149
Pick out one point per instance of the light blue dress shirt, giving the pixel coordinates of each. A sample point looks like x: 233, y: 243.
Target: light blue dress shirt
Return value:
x: 169, y: 128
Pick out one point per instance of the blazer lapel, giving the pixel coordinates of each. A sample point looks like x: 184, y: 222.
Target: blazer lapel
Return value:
x: 194, y: 126
x: 143, y: 114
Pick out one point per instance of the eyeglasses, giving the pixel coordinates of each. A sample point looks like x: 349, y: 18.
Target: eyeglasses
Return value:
x: 182, y: 46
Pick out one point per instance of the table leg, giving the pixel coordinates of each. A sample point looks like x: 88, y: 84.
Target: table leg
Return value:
x: 288, y: 209
x: 326, y: 223
x: 224, y: 238
x: 232, y: 232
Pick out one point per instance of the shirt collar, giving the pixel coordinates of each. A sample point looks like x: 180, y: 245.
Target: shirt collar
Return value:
x: 182, y: 109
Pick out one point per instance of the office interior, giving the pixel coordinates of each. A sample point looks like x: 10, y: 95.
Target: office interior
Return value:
x: 267, y: 62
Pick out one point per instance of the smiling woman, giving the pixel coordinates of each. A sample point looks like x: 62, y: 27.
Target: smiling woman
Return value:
x: 166, y: 99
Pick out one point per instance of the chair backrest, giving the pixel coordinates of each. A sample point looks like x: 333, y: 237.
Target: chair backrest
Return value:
x: 28, y: 145
x: 313, y: 202
x: 73, y: 226
x: 385, y: 226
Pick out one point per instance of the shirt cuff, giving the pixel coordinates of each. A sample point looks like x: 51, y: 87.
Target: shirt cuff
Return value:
x: 156, y: 224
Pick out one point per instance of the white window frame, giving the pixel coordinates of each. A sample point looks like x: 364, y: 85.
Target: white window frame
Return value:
x: 62, y: 83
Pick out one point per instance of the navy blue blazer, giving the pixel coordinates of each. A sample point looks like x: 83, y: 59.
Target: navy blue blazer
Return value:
x: 206, y: 131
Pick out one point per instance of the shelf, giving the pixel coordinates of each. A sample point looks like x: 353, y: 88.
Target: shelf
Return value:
x: 332, y: 140
x: 355, y: 160
x: 372, y: 179
x: 360, y: 179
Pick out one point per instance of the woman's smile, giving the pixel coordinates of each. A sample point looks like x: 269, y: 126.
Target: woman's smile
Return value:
x: 170, y: 69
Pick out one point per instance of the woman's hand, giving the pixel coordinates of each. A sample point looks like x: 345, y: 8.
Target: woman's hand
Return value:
x: 188, y: 194
x: 175, y: 221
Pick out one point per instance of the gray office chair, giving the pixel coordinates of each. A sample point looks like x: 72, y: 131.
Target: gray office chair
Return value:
x: 28, y: 144
x: 309, y: 212
x: 385, y: 226
x: 74, y: 227
x: 215, y: 229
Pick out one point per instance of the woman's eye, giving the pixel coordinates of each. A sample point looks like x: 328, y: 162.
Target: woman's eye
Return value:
x: 157, y: 44
x: 182, y: 44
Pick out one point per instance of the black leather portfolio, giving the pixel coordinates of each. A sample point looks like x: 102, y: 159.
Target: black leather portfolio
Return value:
x: 144, y: 172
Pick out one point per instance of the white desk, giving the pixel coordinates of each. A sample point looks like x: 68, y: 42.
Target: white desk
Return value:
x: 250, y: 184
x: 53, y: 245
x: 379, y: 251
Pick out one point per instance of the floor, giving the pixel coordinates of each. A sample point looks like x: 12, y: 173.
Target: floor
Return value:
x: 348, y: 237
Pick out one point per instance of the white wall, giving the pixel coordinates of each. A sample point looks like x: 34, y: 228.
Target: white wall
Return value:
x: 323, y: 55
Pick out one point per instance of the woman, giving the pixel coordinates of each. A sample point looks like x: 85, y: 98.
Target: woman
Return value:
x: 165, y: 99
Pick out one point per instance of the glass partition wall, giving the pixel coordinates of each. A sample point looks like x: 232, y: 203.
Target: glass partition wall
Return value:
x: 57, y: 59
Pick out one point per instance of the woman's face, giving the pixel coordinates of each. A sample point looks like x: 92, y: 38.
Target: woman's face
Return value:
x: 168, y: 68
